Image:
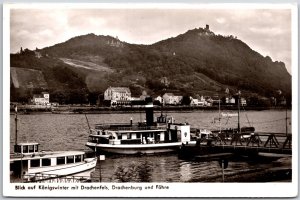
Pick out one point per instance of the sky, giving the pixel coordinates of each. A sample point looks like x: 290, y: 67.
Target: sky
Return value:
x: 267, y: 31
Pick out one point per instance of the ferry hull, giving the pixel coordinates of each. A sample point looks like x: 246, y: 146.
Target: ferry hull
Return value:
x: 135, y: 149
x: 73, y: 172
x: 63, y: 170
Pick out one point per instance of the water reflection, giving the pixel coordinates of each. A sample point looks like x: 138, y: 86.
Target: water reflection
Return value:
x: 185, y: 172
x: 134, y: 172
x: 70, y: 132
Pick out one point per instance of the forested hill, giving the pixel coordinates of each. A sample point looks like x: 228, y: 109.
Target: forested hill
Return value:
x: 197, y: 62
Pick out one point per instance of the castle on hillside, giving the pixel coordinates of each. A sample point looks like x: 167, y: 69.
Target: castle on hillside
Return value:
x: 115, y: 42
x: 206, y: 31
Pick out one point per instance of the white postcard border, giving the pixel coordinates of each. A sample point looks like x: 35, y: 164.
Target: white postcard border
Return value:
x: 175, y: 189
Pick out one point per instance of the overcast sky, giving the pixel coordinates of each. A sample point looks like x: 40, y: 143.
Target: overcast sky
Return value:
x: 267, y: 31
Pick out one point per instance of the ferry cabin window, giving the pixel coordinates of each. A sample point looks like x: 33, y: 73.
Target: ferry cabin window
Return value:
x: 128, y: 136
x: 120, y: 137
x: 70, y: 159
x: 138, y: 135
x: 78, y: 158
x: 17, y: 149
x: 31, y: 148
x: 35, y: 163
x: 60, y: 160
x: 25, y: 149
x: 46, y: 162
x: 93, y: 139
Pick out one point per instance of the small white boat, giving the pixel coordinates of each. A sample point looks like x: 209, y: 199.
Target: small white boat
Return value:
x: 32, y: 165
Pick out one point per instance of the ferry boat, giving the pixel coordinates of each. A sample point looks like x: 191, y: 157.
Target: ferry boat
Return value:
x: 31, y: 165
x: 148, y: 137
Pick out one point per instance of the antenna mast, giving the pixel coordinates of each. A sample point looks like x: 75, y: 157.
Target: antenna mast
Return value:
x: 16, y: 125
x: 87, y: 122
x: 239, y: 128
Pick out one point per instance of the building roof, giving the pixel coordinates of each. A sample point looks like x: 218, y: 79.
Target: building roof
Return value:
x: 169, y: 94
x: 38, y: 96
x: 120, y: 89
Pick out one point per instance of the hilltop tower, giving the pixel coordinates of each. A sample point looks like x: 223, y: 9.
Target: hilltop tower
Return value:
x: 207, y: 27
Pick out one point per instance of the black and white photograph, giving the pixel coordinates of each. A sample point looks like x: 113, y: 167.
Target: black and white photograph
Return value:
x: 150, y: 100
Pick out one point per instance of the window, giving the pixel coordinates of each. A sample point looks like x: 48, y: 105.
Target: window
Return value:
x: 46, y: 162
x: 31, y: 148
x: 138, y: 135
x: 60, y: 160
x: 120, y: 137
x: 35, y: 163
x: 78, y: 158
x: 70, y: 159
x: 17, y: 149
x: 25, y: 149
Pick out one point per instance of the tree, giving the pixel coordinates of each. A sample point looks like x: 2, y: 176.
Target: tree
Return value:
x: 186, y: 100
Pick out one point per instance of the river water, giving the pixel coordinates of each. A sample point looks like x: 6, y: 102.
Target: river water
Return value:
x: 70, y: 132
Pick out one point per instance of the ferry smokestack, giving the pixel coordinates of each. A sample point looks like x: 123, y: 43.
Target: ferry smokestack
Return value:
x: 149, y: 111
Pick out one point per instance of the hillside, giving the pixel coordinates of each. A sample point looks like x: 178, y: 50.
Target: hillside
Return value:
x: 196, y: 62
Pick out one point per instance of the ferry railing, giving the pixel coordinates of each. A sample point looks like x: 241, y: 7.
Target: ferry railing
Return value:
x: 129, y: 128
x: 267, y: 140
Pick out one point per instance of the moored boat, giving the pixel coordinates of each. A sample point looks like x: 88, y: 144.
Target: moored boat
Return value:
x: 148, y: 137
x: 29, y: 164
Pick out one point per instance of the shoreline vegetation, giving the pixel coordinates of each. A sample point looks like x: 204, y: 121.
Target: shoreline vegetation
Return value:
x: 86, y: 109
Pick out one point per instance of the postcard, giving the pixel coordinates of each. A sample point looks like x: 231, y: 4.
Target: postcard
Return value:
x: 150, y: 100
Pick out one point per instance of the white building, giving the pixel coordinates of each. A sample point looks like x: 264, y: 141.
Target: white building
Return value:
x: 171, y: 99
x: 41, y: 99
x: 230, y: 100
x: 243, y: 102
x: 159, y: 98
x: 118, y: 95
x: 194, y: 102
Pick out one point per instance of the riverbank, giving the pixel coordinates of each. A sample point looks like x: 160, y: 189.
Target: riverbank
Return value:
x: 71, y: 109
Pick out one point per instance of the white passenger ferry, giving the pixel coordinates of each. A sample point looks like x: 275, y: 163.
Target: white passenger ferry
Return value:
x: 32, y: 165
x: 29, y: 164
x: 148, y: 137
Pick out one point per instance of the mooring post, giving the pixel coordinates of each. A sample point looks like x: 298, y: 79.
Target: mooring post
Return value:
x: 99, y: 169
x: 223, y: 170
x: 101, y: 157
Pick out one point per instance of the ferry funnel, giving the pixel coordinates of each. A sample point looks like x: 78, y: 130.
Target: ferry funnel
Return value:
x: 149, y: 111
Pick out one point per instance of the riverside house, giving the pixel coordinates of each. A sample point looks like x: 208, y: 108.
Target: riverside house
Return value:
x: 41, y: 99
x: 171, y: 99
x: 118, y: 96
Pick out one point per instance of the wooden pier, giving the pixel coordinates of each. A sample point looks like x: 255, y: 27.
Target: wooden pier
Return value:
x: 238, y: 144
